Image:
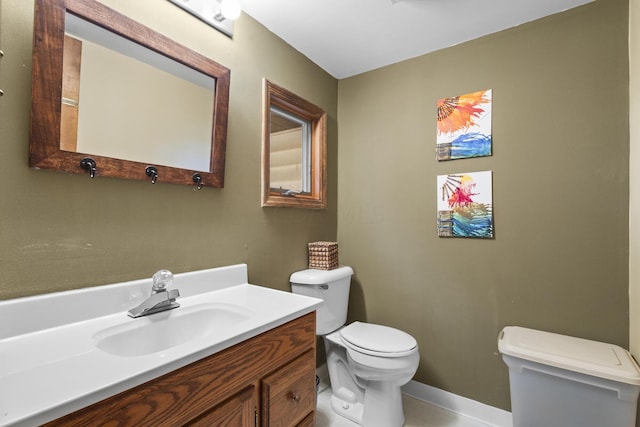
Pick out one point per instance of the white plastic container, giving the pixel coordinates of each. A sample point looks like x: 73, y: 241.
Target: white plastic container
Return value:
x: 562, y: 381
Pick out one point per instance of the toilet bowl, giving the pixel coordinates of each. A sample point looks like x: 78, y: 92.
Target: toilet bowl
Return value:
x: 367, y: 374
x: 367, y: 363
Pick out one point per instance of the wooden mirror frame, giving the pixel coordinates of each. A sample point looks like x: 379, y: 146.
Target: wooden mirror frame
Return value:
x: 288, y: 101
x: 48, y: 43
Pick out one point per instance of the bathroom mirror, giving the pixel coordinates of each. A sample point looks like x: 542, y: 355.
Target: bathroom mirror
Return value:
x: 293, y: 151
x: 111, y: 89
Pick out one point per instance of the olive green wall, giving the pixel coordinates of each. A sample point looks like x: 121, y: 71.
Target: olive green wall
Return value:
x: 559, y: 260
x: 60, y: 231
x: 560, y: 164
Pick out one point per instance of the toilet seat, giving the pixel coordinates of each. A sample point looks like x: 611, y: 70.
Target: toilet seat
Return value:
x: 377, y: 340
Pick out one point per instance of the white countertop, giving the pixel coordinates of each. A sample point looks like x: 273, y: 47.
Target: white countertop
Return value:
x: 49, y: 362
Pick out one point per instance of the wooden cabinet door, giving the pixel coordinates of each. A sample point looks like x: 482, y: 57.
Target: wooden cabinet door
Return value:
x: 238, y: 411
x: 289, y: 394
x: 309, y: 420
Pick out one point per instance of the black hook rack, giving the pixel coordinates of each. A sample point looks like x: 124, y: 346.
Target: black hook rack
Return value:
x: 89, y: 165
x: 152, y: 171
x: 197, y: 179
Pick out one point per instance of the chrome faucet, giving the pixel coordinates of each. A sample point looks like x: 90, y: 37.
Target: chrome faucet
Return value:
x: 160, y: 299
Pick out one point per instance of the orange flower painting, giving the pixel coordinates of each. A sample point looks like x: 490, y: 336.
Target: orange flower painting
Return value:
x: 464, y: 126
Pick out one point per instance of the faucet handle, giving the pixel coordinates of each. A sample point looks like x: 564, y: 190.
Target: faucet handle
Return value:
x: 161, y: 280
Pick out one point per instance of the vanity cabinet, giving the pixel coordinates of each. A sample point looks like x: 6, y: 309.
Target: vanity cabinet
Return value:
x: 268, y: 380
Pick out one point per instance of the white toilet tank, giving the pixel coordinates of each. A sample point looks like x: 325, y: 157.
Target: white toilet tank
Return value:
x: 332, y: 286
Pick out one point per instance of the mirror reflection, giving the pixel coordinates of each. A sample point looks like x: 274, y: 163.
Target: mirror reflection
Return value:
x: 124, y: 101
x: 290, y: 141
x: 294, y: 150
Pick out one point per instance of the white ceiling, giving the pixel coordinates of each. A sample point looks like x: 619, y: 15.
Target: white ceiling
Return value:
x: 349, y: 37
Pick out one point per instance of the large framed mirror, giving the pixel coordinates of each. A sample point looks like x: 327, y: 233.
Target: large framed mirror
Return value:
x: 294, y: 150
x: 136, y: 103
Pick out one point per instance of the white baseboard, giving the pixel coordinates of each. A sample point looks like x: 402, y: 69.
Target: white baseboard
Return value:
x: 452, y: 402
x: 460, y: 405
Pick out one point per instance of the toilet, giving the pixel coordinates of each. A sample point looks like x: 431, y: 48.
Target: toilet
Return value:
x: 367, y: 363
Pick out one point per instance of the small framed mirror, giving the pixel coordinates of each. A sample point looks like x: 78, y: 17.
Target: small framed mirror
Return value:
x: 293, y: 150
x: 128, y: 98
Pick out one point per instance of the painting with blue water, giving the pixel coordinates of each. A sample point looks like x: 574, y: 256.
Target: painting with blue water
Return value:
x: 465, y: 205
x: 464, y: 126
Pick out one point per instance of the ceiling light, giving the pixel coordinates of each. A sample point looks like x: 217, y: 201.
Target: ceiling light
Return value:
x: 228, y: 9
x: 217, y: 13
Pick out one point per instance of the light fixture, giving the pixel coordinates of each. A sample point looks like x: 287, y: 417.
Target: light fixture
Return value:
x: 228, y: 9
x: 217, y: 13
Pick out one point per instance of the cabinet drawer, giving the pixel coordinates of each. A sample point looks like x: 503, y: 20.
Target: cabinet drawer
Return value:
x: 289, y: 394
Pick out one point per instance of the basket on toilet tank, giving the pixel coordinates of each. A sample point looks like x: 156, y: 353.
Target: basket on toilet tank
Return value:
x: 323, y: 255
x: 562, y: 381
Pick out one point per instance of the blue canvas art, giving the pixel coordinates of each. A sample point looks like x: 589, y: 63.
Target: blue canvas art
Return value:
x: 465, y: 205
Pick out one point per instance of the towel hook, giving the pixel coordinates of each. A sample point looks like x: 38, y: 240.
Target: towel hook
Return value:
x: 152, y: 171
x: 89, y: 165
x: 197, y: 178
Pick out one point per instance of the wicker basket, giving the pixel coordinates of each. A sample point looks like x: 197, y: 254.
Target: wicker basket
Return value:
x: 323, y: 255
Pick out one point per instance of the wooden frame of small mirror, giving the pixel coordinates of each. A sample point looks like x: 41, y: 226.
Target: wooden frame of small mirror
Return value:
x: 48, y: 48
x: 285, y: 103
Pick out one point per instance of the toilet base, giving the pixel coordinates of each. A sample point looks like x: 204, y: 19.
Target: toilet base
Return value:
x: 350, y: 410
x: 382, y: 406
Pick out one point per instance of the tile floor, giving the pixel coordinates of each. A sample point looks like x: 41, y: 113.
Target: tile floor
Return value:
x: 416, y: 412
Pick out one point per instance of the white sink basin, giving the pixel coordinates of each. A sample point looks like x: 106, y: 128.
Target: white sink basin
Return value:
x: 161, y: 331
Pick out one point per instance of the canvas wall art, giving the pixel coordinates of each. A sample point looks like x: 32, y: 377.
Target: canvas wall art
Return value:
x: 464, y: 126
x: 465, y: 205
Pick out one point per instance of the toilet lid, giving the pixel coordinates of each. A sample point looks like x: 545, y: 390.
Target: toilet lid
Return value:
x: 371, y: 339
